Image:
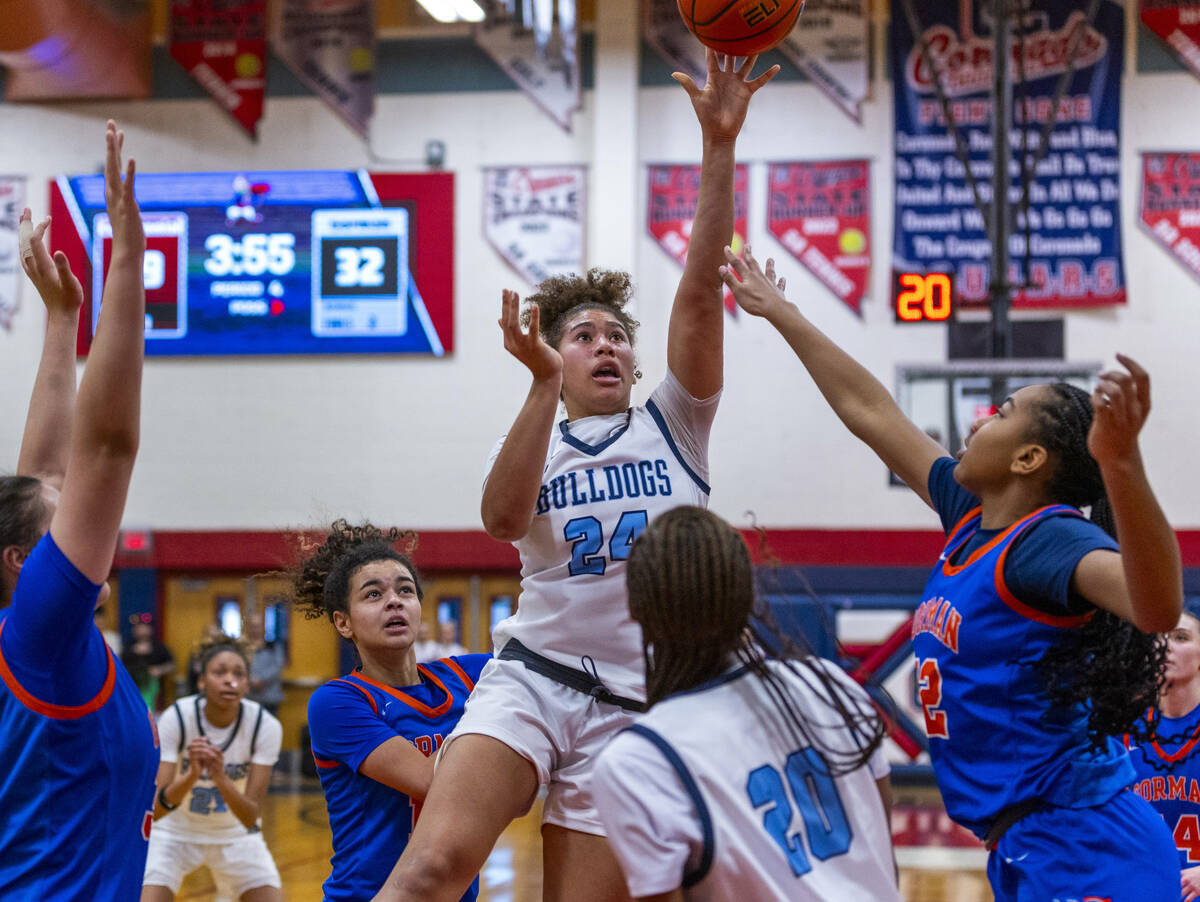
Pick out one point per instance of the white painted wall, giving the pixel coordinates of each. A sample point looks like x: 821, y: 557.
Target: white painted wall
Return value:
x: 270, y: 443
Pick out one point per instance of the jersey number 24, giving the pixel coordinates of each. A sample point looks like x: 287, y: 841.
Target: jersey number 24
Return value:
x: 587, y: 534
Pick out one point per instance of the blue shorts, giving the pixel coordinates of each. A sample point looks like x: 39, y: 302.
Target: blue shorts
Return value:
x: 1120, y: 851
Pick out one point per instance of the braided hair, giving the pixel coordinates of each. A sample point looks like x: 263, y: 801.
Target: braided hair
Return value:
x: 321, y: 584
x: 691, y: 587
x: 558, y: 298
x: 1108, y: 665
x: 22, y: 511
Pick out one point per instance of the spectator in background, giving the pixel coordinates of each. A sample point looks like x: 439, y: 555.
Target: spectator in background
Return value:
x: 425, y: 648
x: 447, y: 644
x: 112, y: 637
x: 147, y: 661
x: 266, y: 666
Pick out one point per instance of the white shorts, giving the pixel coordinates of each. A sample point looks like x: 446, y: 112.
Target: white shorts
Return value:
x: 237, y: 866
x: 560, y: 731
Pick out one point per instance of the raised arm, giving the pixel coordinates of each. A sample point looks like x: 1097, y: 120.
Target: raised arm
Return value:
x: 104, y: 439
x: 45, y: 444
x: 857, y: 397
x: 696, y: 332
x: 511, y: 492
x: 1144, y: 583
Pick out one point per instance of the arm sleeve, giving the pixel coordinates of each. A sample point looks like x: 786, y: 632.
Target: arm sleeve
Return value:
x: 648, y: 816
x: 950, y: 499
x: 343, y: 727
x: 688, y: 419
x: 1041, y: 564
x: 50, y: 640
x: 168, y: 735
x: 270, y: 738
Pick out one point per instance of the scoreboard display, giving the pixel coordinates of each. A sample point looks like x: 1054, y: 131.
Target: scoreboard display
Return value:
x: 295, y: 262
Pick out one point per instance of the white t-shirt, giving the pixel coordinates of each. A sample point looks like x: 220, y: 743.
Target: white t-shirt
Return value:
x: 712, y: 791
x: 253, y: 738
x: 605, y: 478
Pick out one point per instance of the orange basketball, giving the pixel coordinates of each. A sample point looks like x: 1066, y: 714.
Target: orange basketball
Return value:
x: 740, y: 27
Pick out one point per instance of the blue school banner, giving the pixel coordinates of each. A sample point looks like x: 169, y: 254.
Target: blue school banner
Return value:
x: 1074, y: 220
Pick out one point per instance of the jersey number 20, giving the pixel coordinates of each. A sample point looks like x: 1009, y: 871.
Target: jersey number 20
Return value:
x: 588, y: 535
x: 820, y: 806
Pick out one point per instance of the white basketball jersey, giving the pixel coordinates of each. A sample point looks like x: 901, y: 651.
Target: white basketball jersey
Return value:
x: 712, y: 791
x: 605, y: 478
x: 253, y: 738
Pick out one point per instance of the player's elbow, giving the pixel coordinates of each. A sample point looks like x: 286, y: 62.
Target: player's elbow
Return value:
x: 503, y: 525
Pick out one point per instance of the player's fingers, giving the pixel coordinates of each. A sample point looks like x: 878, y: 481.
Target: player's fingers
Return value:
x: 748, y: 256
x: 112, y: 156
x: 686, y: 80
x: 1141, y: 378
x: 65, y: 276
x: 747, y: 65
x: 764, y: 78
x: 130, y: 169
x: 736, y: 263
x: 782, y: 284
x: 535, y: 322
x: 728, y: 277
x: 25, y: 236
x: 769, y: 270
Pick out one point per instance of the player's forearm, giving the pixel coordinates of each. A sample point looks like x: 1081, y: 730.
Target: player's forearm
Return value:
x: 45, y: 443
x: 1149, y: 549
x: 175, y: 792
x: 510, y: 495
x: 244, y: 809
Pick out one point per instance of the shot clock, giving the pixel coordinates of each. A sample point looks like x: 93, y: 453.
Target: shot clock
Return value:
x: 284, y: 262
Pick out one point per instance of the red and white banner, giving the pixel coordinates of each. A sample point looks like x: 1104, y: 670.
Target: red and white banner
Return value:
x: 829, y: 44
x: 1171, y: 204
x: 12, y: 202
x: 1177, y: 22
x: 223, y: 46
x: 821, y: 213
x: 330, y: 46
x: 671, y: 208
x: 533, y: 216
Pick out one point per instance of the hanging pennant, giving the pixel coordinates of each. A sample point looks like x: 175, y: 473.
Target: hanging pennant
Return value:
x: 663, y: 29
x: 537, y: 51
x: 330, y: 46
x: 1171, y: 204
x: 821, y: 213
x: 671, y: 207
x: 830, y: 45
x: 1177, y: 23
x: 533, y: 216
x: 223, y: 46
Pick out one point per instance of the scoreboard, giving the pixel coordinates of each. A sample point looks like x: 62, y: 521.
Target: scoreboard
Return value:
x: 284, y: 262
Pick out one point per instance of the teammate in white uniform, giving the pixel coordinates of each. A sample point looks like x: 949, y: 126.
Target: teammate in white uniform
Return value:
x: 218, y: 749
x: 748, y: 778
x: 572, y: 497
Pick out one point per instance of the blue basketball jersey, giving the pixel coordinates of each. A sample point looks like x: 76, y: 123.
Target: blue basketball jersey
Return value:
x: 77, y: 761
x: 1168, y: 777
x: 994, y: 737
x: 350, y: 717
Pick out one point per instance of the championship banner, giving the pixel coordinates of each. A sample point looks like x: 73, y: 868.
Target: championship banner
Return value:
x: 12, y: 202
x: 533, y: 216
x: 671, y: 207
x: 547, y: 70
x: 663, y: 29
x: 330, y: 46
x: 821, y: 213
x: 223, y: 46
x: 1074, y: 237
x: 1177, y: 23
x: 1171, y: 204
x: 829, y: 44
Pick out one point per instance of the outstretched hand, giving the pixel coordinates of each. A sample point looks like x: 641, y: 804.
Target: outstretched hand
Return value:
x: 1121, y: 403
x: 1190, y: 880
x: 542, y: 360
x: 721, y: 104
x: 51, y: 276
x: 757, y: 292
x: 123, y: 212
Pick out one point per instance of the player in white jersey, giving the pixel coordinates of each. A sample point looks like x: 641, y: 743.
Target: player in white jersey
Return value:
x: 218, y: 749
x: 749, y: 778
x: 573, y: 496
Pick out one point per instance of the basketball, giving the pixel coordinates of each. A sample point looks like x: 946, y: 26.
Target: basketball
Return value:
x: 740, y: 27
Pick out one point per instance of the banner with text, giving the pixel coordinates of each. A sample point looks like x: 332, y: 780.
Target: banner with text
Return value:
x: 540, y: 55
x: 830, y: 45
x: 671, y: 207
x: 12, y: 202
x: 533, y: 216
x: 1171, y: 204
x: 821, y: 212
x: 663, y: 29
x: 1066, y: 251
x: 331, y: 48
x: 223, y: 46
x: 1177, y: 23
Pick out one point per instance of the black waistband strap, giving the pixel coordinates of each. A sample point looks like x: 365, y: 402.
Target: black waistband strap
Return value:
x: 1007, y: 817
x: 579, y: 680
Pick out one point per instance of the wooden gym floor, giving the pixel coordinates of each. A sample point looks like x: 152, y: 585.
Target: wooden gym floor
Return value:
x: 945, y: 867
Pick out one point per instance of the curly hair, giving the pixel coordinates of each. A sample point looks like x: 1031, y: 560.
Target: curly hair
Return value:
x: 208, y: 647
x: 1108, y: 665
x: 321, y: 584
x: 559, y: 297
